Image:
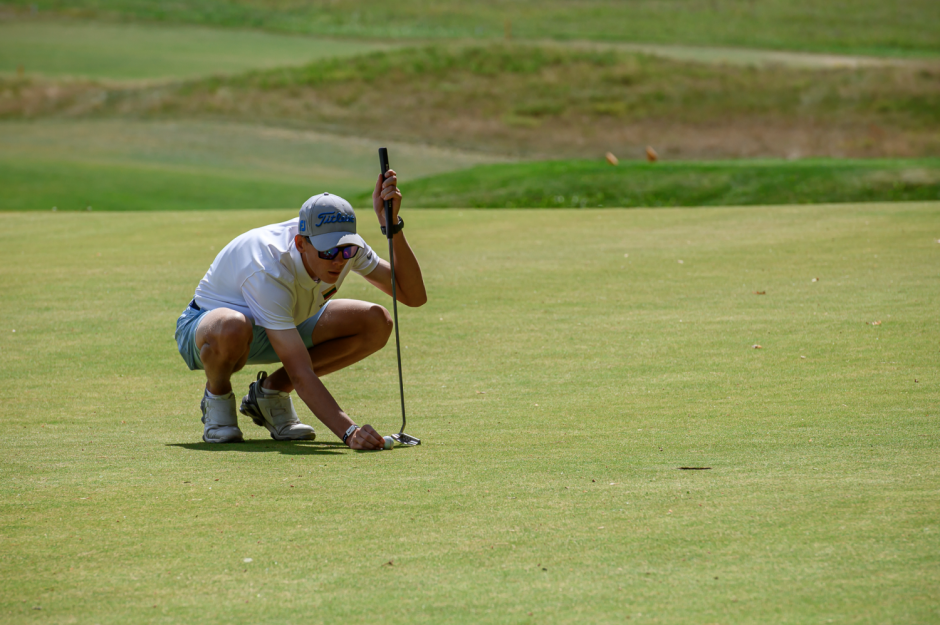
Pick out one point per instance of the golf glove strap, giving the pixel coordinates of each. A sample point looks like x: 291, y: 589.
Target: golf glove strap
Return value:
x: 396, y: 228
x: 349, y: 432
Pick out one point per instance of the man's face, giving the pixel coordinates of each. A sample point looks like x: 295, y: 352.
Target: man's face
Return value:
x: 325, y: 270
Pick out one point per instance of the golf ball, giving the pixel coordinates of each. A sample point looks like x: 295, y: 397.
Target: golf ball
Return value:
x: 389, y: 441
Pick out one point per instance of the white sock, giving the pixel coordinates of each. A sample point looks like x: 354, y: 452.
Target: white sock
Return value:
x: 228, y: 395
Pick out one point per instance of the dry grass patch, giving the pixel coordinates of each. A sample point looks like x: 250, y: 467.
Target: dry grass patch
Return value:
x: 544, y: 100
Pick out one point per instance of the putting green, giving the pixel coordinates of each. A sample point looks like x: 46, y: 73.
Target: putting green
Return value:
x: 145, y: 51
x: 567, y: 365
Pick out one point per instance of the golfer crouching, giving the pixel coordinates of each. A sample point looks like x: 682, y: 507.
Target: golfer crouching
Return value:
x: 269, y: 297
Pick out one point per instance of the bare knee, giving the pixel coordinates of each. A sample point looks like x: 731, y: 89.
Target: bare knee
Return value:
x: 235, y: 335
x: 380, y: 325
x: 228, y: 336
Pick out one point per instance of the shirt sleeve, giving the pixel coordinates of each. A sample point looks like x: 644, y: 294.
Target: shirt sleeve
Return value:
x: 270, y: 302
x: 365, y: 261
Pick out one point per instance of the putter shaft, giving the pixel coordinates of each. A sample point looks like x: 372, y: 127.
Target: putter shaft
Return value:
x: 383, y: 161
x: 391, y: 256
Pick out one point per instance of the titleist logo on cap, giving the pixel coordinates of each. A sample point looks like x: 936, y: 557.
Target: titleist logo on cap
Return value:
x: 331, y: 218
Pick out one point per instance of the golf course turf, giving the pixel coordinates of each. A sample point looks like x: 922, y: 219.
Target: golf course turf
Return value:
x: 851, y: 26
x: 713, y: 414
x: 584, y: 183
x: 567, y: 365
x: 147, y: 52
x: 117, y: 165
x: 135, y: 165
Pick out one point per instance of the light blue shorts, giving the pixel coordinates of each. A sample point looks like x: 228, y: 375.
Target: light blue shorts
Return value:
x: 261, y: 351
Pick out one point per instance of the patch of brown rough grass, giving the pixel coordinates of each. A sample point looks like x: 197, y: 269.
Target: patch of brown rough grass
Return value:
x: 567, y: 106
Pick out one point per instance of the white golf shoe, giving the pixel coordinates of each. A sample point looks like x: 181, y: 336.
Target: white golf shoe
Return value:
x: 276, y: 412
x: 220, y: 419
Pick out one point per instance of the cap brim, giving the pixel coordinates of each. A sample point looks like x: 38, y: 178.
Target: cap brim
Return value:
x: 323, y: 242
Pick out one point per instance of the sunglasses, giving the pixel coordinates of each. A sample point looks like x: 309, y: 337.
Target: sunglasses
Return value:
x: 348, y: 252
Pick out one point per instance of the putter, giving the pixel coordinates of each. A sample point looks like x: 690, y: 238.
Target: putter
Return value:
x: 401, y: 437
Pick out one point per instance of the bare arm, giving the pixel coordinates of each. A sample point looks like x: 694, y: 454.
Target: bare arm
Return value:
x: 290, y: 348
x: 410, y: 284
x: 410, y: 288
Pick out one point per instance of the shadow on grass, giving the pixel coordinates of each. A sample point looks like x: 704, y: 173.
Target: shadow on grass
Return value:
x: 290, y: 448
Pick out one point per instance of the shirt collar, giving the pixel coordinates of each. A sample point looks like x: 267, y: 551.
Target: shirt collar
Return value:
x: 303, y: 278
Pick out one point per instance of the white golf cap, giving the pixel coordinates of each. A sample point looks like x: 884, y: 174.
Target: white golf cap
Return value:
x: 329, y: 220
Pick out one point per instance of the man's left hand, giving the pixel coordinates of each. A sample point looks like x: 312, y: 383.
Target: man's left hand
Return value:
x: 386, y: 188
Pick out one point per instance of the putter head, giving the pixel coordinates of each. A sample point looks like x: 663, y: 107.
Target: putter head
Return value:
x: 404, y: 439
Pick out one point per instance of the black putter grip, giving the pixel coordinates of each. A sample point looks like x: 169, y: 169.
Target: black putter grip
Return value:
x: 383, y: 162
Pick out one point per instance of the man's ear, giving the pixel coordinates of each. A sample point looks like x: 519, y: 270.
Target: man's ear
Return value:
x: 300, y: 242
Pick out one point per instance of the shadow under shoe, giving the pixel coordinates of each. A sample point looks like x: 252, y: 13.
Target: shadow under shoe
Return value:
x: 274, y: 412
x: 220, y: 419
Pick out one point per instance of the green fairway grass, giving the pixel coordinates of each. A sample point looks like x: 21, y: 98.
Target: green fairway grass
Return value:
x: 133, y: 165
x: 141, y: 51
x: 567, y: 364
x: 859, y: 26
x: 136, y: 165
x: 554, y: 184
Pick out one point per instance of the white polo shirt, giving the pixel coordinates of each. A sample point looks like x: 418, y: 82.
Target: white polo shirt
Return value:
x: 261, y: 275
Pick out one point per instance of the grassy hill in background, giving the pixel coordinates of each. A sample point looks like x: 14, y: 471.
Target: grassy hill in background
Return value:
x: 846, y: 26
x: 143, y: 51
x: 543, y: 101
x: 205, y: 137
